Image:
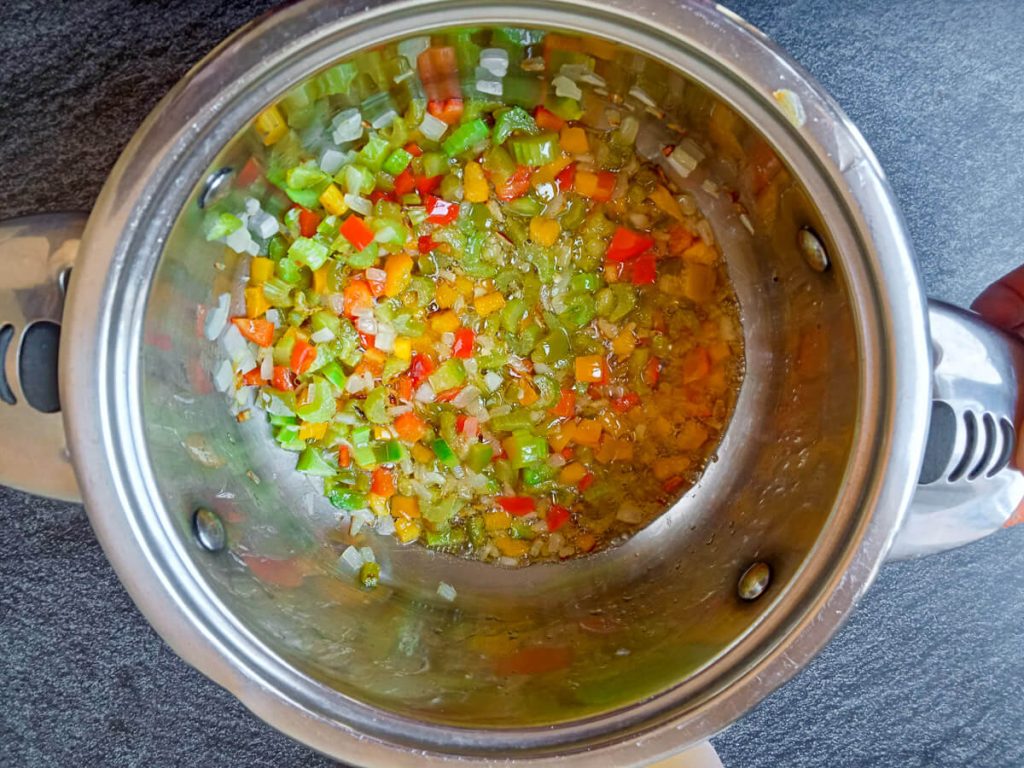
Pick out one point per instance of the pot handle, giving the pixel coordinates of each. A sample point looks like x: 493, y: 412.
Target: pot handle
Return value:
x: 36, y: 254
x: 970, y: 485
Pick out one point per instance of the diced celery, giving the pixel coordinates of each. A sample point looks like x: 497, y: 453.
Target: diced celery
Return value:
x: 361, y: 436
x: 364, y: 456
x: 374, y: 152
x: 375, y: 406
x: 320, y: 404
x: 518, y: 418
x: 535, y: 474
x: 358, y: 180
x: 535, y: 151
x: 222, y: 226
x: 465, y: 137
x: 307, y: 251
x: 434, y: 164
x: 305, y: 176
x: 450, y: 374
x: 479, y: 456
x: 510, y: 120
x: 521, y: 529
x: 397, y: 161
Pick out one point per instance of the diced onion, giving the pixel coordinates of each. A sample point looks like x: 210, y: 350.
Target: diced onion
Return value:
x: 217, y: 317
x: 641, y: 95
x: 267, y: 367
x: 629, y: 513
x: 367, y: 324
x: 352, y: 558
x: 425, y: 394
x: 432, y: 127
x: 358, y: 204
x: 367, y: 554
x: 385, y: 525
x: 322, y: 336
x: 347, y: 126
x: 332, y: 160
x: 385, y: 338
x: 566, y: 88
x: 447, y: 591
x: 495, y: 61
x: 275, y: 317
x: 224, y: 376
x: 493, y: 381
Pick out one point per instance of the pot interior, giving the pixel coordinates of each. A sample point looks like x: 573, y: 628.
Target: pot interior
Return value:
x: 551, y: 643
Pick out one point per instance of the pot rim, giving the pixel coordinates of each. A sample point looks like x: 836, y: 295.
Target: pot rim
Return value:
x: 168, y: 156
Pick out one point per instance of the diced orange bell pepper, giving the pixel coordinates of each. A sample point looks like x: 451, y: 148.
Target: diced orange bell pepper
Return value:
x: 260, y: 331
x: 382, y: 483
x: 591, y: 369
x: 398, y: 267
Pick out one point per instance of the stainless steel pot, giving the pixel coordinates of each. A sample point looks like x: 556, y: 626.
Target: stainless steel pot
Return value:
x: 870, y: 424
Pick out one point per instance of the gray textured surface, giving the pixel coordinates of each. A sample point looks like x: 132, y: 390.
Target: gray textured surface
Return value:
x: 928, y: 672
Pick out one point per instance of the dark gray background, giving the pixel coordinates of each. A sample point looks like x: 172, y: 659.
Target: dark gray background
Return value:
x: 929, y: 670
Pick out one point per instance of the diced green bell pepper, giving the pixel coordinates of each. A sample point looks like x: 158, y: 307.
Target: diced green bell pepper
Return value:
x: 312, y: 462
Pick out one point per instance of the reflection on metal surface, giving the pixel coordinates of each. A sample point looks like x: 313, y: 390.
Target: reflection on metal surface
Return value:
x: 35, y: 251
x: 812, y: 249
x: 754, y: 581
x: 209, y: 529
x: 967, y: 488
x: 816, y: 468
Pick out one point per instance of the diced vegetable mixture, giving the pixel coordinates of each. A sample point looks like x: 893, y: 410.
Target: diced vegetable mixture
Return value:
x: 488, y: 324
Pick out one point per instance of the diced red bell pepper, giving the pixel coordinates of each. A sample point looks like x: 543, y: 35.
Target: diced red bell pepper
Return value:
x: 448, y: 395
x: 354, y: 230
x: 405, y: 182
x: 344, y: 455
x: 673, y: 484
x: 379, y: 194
x: 426, y: 244
x: 413, y: 149
x: 303, y: 355
x: 586, y: 482
x: 516, y: 185
x: 463, y: 346
x: 441, y: 211
x: 368, y: 340
x: 468, y: 425
x: 625, y: 403
x: 547, y: 120
x: 438, y: 68
x: 250, y: 172
x: 627, y: 244
x: 644, y: 270
x: 283, y: 379
x: 565, y: 177
x: 308, y: 222
x: 427, y: 185
x: 606, y: 181
x: 652, y: 372
x: 446, y: 110
x: 358, y: 297
x: 253, y: 378
x: 566, y: 406
x: 382, y: 483
x: 258, y: 330
x: 517, y: 505
x: 557, y: 517
x: 420, y: 368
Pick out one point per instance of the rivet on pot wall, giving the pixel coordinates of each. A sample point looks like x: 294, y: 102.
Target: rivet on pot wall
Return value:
x: 812, y: 249
x: 209, y: 530
x: 754, y: 581
x: 216, y: 187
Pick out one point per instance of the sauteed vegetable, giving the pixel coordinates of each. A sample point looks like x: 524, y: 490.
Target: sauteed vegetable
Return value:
x: 484, y: 320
